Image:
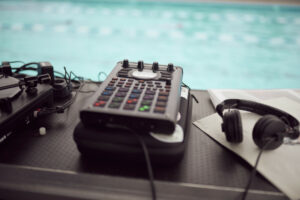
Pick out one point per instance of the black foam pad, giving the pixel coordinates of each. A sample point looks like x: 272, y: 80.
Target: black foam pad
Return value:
x: 232, y: 126
x: 269, y: 127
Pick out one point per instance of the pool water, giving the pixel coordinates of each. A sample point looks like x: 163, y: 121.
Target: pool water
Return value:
x: 218, y: 45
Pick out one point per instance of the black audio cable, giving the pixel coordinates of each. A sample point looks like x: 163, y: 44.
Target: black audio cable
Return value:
x: 78, y: 85
x: 24, y: 67
x: 61, y: 108
x: 16, y: 61
x: 149, y: 166
x: 253, y: 172
x: 147, y: 158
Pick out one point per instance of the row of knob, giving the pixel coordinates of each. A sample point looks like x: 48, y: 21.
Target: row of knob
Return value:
x: 155, y: 66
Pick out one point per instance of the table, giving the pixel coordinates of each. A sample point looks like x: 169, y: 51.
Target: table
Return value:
x: 50, y: 167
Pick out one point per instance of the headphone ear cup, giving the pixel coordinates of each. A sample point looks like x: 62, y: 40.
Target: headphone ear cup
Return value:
x: 232, y: 126
x: 266, y: 128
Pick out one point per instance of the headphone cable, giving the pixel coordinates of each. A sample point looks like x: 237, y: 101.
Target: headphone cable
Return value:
x: 148, y: 163
x: 253, y: 172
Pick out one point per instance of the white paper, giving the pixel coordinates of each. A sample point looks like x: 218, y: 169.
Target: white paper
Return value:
x: 219, y: 95
x: 280, y: 166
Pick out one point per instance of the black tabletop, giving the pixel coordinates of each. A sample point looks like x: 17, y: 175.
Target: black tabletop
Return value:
x: 205, y: 164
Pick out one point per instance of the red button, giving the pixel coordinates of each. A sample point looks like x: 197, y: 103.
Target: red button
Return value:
x: 102, y: 102
x: 132, y: 101
x: 99, y: 103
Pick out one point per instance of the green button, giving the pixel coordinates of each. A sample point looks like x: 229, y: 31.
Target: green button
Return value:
x: 146, y: 107
x: 141, y: 109
x: 118, y: 99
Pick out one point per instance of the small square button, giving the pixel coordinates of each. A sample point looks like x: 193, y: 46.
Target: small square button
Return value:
x: 159, y: 110
x: 99, y: 103
x: 121, y: 94
x: 114, y: 105
x: 148, y: 97
x: 104, y: 98
x: 161, y: 104
x: 109, y: 88
x: 150, y: 92
x: 146, y: 102
x: 123, y: 90
x: 144, y: 108
x: 107, y: 93
x: 131, y: 101
x: 137, y: 91
x: 134, y: 96
x: 163, y: 94
x: 162, y: 98
x: 118, y: 99
x: 129, y: 107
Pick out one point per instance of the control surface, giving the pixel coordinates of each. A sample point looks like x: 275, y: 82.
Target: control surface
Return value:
x: 139, y: 96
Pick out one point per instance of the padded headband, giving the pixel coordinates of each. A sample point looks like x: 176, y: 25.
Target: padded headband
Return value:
x: 258, y: 108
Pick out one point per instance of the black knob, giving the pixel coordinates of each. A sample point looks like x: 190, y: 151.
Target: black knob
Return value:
x: 125, y: 63
x: 155, y: 66
x: 140, y: 65
x: 168, y: 81
x: 31, y: 91
x: 170, y: 67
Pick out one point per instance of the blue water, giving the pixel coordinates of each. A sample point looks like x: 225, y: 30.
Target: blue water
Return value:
x: 218, y: 45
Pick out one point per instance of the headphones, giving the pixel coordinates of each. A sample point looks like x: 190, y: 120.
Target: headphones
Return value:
x: 274, y: 125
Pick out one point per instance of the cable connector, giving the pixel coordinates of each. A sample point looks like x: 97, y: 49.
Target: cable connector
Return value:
x: 6, y: 69
x: 59, y: 109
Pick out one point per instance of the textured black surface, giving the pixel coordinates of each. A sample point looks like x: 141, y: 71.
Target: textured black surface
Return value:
x: 204, y: 162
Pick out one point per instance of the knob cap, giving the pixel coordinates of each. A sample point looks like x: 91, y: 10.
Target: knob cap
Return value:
x: 155, y: 66
x: 170, y: 67
x: 168, y: 81
x: 140, y: 65
x: 125, y: 63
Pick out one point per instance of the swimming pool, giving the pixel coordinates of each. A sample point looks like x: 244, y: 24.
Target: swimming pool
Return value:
x: 219, y: 45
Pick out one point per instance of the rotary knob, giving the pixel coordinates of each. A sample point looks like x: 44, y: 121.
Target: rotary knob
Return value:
x: 170, y: 67
x: 125, y: 63
x: 140, y: 65
x: 168, y: 81
x: 155, y: 66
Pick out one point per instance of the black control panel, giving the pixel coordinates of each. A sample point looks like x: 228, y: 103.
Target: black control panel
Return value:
x: 137, y: 95
x: 17, y: 105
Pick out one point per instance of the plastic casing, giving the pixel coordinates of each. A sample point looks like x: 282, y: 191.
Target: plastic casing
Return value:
x: 157, y: 122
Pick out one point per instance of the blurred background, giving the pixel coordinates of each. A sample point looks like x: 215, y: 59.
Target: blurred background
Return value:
x: 219, y: 44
